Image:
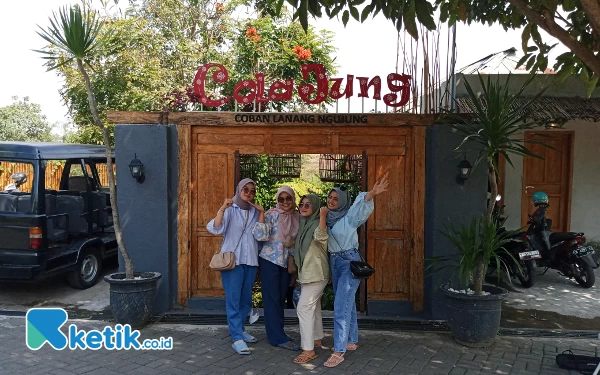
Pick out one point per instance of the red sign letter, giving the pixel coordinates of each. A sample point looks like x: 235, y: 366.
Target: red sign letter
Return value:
x: 336, y: 93
x: 221, y: 75
x: 245, y: 84
x: 287, y: 86
x: 322, y: 84
x: 404, y: 89
x: 364, y: 87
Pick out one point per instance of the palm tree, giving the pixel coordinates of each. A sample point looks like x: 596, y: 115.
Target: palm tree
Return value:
x: 74, y: 34
x: 495, y: 128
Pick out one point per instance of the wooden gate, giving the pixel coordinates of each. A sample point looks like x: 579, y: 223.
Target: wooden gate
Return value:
x: 394, y: 143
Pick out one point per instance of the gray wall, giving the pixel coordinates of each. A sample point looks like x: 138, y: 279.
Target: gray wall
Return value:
x: 149, y: 210
x: 446, y: 201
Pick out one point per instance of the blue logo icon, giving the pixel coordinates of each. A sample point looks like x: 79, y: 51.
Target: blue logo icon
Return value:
x: 43, y: 326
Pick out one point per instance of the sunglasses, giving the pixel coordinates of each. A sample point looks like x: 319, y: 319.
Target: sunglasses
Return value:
x: 249, y: 191
x: 286, y: 199
x: 304, y: 205
x: 341, y: 187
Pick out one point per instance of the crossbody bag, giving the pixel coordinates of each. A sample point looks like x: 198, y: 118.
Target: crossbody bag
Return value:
x: 360, y: 269
x: 225, y: 261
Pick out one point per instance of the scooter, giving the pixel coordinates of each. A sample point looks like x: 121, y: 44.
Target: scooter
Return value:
x: 19, y: 179
x: 562, y: 251
x: 521, y: 261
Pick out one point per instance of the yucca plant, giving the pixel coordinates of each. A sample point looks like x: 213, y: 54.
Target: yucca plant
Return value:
x: 74, y: 36
x: 477, y: 242
x: 495, y: 128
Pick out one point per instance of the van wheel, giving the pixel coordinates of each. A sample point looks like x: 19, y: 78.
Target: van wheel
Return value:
x: 87, y: 271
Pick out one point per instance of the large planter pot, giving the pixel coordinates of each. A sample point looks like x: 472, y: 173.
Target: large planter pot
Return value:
x: 132, y: 301
x: 474, y: 320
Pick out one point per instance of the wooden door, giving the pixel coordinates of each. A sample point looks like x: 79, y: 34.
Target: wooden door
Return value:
x: 213, y: 180
x: 395, y: 229
x: 552, y: 174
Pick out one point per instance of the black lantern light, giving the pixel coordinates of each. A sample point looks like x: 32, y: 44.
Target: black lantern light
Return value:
x: 137, y: 169
x: 464, y: 171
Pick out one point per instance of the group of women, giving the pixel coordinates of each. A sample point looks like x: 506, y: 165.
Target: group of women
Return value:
x: 316, y: 242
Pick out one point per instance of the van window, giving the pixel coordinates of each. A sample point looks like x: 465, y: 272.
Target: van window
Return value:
x: 102, y: 169
x: 16, y: 181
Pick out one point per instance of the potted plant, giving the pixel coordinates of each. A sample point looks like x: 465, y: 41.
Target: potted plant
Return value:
x: 75, y: 36
x: 494, y: 129
x: 474, y: 318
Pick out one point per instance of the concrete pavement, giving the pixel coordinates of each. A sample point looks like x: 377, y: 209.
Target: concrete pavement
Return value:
x: 207, y: 350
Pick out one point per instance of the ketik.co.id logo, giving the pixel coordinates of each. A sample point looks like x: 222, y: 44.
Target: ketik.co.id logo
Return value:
x: 44, y: 324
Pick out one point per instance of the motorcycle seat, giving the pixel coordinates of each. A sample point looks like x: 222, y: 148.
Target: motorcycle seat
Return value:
x: 563, y: 236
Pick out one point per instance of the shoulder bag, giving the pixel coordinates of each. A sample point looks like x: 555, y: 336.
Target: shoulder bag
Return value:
x: 360, y: 269
x: 225, y: 261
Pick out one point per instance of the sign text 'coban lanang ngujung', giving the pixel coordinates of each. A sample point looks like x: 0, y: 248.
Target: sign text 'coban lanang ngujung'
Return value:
x: 282, y: 90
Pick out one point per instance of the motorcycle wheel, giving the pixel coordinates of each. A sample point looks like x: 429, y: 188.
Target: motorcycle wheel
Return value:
x: 527, y: 276
x: 584, y: 274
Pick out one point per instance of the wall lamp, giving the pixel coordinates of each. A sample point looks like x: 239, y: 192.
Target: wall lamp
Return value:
x: 137, y: 170
x: 464, y: 171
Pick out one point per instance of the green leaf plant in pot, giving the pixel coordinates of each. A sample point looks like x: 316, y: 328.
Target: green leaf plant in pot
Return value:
x: 474, y: 318
x: 75, y: 36
x: 495, y: 128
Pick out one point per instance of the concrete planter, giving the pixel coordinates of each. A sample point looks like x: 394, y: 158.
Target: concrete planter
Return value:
x: 132, y: 301
x: 474, y: 320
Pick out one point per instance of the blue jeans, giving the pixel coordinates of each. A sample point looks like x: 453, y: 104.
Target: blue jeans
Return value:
x: 238, y: 284
x: 344, y: 305
x: 274, y: 283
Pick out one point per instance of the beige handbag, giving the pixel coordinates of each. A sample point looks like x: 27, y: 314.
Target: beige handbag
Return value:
x: 225, y: 261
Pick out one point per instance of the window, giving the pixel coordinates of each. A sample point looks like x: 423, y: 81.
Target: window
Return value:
x: 103, y: 173
x: 16, y: 182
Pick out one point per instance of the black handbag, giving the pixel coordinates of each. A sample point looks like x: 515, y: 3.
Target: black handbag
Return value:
x: 361, y: 269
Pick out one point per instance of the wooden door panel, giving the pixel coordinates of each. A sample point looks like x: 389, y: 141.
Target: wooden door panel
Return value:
x: 392, y: 267
x: 551, y: 174
x: 212, y: 186
x: 388, y: 230
x: 204, y: 278
x: 391, y: 213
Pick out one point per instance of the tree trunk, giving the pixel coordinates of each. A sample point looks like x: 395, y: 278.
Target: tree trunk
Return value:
x: 111, y: 174
x: 480, y: 269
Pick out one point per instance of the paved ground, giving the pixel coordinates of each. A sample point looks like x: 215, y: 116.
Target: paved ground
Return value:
x: 206, y: 350
x: 556, y: 293
x: 55, y: 292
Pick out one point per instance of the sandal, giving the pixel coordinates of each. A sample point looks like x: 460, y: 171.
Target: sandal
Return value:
x: 249, y: 338
x: 289, y: 346
x: 351, y: 346
x: 334, y: 360
x: 240, y: 347
x: 305, y: 357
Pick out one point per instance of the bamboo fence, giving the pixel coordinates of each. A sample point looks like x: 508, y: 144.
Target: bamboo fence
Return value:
x: 54, y: 172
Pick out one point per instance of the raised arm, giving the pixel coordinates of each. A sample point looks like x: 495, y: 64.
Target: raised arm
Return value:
x: 218, y: 220
x: 363, y: 205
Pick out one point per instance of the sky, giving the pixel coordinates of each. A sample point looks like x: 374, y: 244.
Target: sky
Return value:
x: 367, y: 49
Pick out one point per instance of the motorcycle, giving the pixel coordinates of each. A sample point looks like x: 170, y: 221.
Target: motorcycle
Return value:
x: 19, y: 179
x: 565, y: 252
x: 520, y: 260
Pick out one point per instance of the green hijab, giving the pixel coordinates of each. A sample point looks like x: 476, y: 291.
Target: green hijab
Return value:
x: 308, y: 225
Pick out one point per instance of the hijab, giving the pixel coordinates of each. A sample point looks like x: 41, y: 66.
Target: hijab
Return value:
x: 237, y: 199
x: 308, y: 225
x: 288, y: 221
x: 343, y: 206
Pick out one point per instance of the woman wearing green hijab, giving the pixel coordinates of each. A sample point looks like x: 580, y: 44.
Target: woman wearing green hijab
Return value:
x: 312, y: 260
